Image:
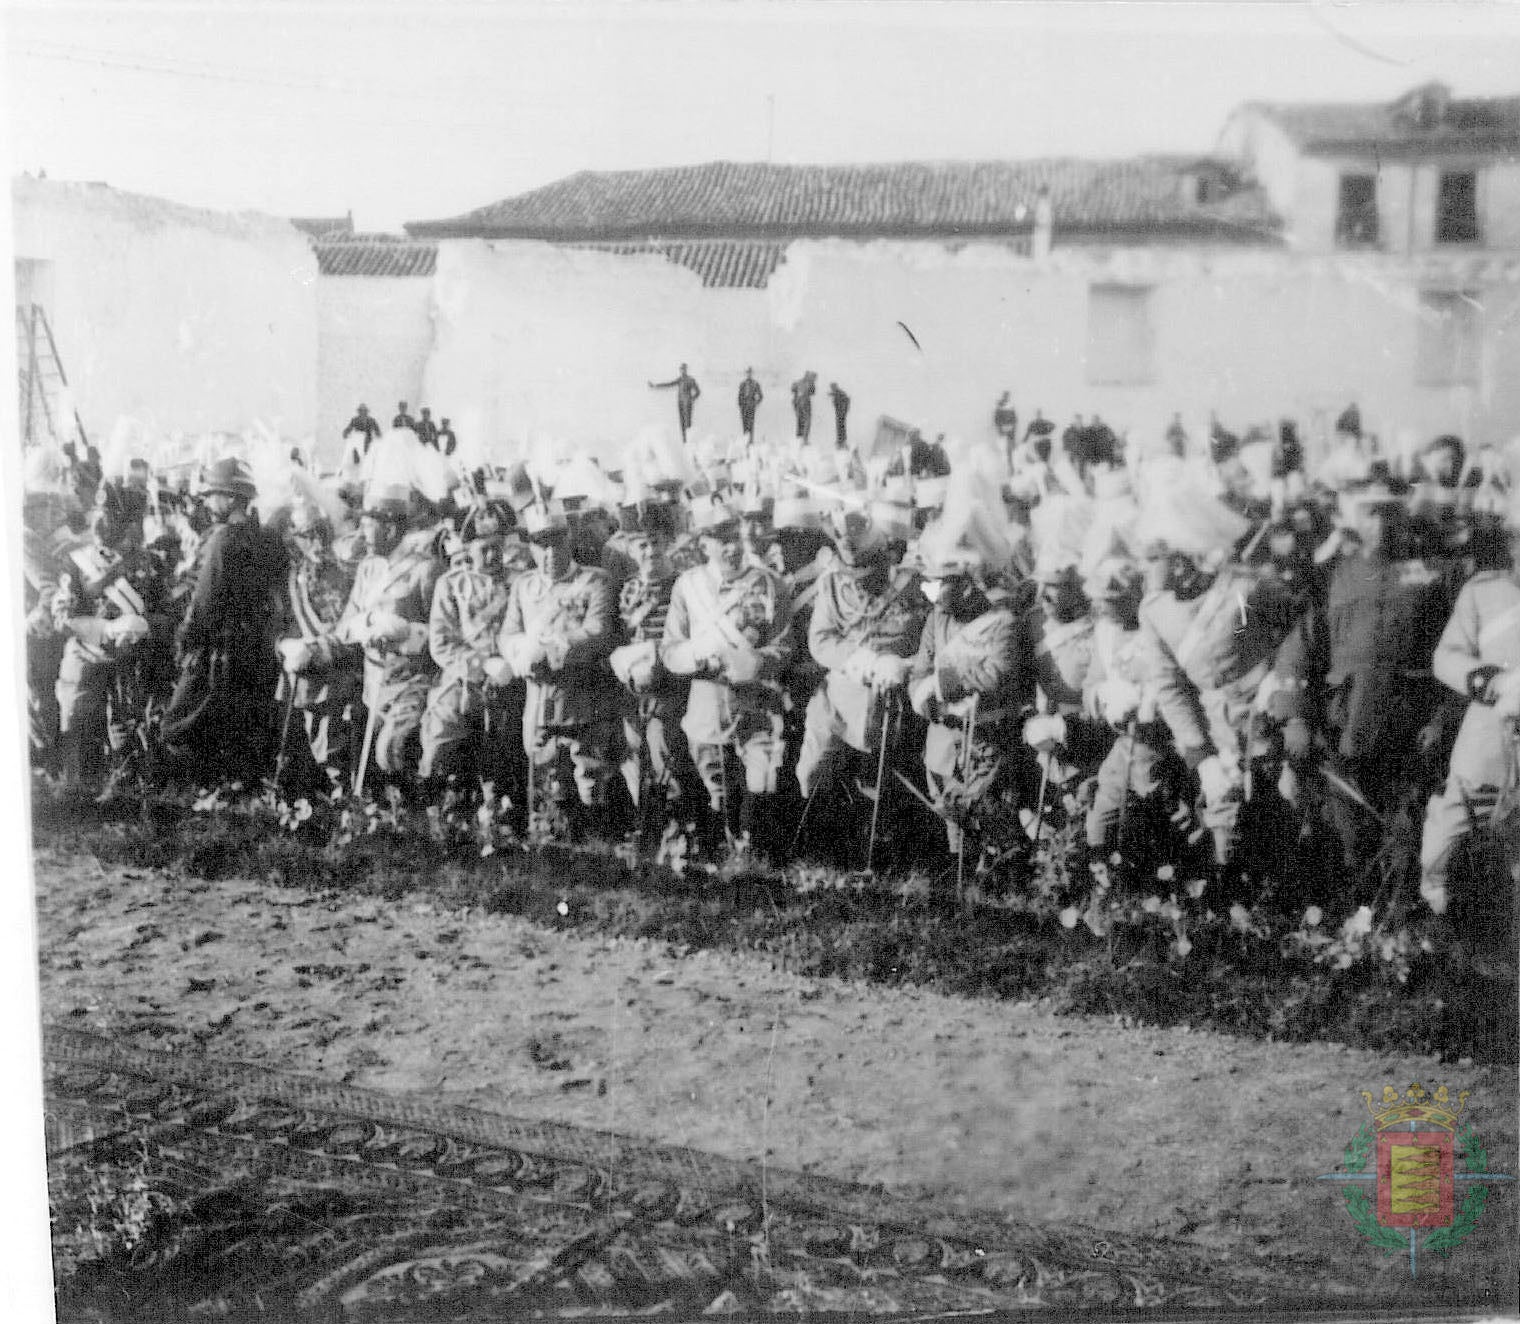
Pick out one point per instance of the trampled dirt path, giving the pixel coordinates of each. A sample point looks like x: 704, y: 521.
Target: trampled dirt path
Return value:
x: 991, y: 1105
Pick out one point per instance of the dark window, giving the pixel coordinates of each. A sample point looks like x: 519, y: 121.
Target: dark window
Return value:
x: 1457, y: 208
x: 1357, y: 220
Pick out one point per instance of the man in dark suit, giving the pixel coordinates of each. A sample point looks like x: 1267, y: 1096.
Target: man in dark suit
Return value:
x: 426, y: 429
x: 403, y: 419
x: 750, y: 396
x: 802, y: 402
x: 841, y: 411
x: 687, y: 392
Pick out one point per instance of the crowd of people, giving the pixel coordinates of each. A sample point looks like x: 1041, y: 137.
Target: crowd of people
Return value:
x: 846, y: 652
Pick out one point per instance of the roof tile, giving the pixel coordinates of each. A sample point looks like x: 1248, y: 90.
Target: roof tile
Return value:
x: 759, y: 200
x: 368, y: 257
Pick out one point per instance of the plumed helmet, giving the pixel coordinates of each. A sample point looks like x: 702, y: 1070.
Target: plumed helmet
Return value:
x: 230, y: 476
x: 390, y: 501
x: 709, y: 513
x: 544, y: 517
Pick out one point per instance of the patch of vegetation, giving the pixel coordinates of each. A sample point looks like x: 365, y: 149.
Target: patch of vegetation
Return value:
x: 1161, y: 945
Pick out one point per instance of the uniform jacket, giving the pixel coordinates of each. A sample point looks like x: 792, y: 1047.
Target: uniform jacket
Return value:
x: 643, y: 605
x: 401, y: 583
x: 1120, y: 680
x: 579, y: 614
x: 981, y: 667
x: 847, y: 620
x: 1361, y: 658
x: 1223, y: 639
x: 711, y: 625
x: 1063, y: 652
x: 234, y: 604
x: 1484, y: 630
x: 468, y: 607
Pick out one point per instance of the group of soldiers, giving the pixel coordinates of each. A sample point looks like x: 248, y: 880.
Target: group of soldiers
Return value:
x: 750, y: 396
x: 849, y: 655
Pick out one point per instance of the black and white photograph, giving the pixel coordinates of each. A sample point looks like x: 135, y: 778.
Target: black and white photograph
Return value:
x: 783, y: 658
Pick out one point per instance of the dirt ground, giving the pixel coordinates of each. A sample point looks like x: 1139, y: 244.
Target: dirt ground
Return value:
x: 991, y: 1105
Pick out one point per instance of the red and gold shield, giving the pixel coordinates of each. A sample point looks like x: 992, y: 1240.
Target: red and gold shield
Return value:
x: 1415, y: 1178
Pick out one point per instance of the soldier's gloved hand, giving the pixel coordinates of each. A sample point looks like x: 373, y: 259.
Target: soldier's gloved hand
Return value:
x: 1480, y: 682
x: 1297, y: 739
x: 888, y: 671
x: 922, y: 698
x: 556, y: 650
x: 295, y: 655
x: 1045, y: 733
x: 1118, y: 700
x: 523, y: 652
x: 497, y: 671
x: 1216, y: 779
x: 385, y: 629
x: 1433, y: 893
x: 740, y: 666
x: 1505, y: 687
x: 126, y: 632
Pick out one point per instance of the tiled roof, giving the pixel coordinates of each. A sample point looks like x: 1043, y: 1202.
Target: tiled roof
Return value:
x: 1490, y: 124
x: 912, y: 198
x: 735, y: 264
x: 321, y: 227
x: 374, y: 257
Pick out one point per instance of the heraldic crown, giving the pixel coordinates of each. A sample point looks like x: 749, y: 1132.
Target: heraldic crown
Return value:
x: 1416, y: 1104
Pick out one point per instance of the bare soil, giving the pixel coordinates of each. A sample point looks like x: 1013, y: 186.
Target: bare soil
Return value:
x: 988, y: 1105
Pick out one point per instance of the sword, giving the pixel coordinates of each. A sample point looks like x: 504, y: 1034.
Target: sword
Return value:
x: 881, y: 772
x: 1345, y: 788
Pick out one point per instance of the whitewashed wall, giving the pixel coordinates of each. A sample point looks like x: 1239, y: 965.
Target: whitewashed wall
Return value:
x: 374, y: 336
x: 191, y: 321
x: 535, y: 341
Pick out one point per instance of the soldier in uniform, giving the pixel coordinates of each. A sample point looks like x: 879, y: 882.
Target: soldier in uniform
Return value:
x: 447, y: 441
x: 317, y: 589
x: 217, y: 720
x: 1060, y: 633
x: 52, y: 529
x: 469, y: 603
x: 728, y: 628
x: 109, y: 606
x: 687, y: 391
x: 386, y: 621
x: 867, y: 618
x: 368, y: 428
x: 403, y: 419
x: 841, y: 404
x: 1357, y: 667
x: 750, y: 396
x: 1211, y: 631
x: 653, y: 699
x: 803, y: 390
x: 426, y: 429
x: 972, y: 681
x: 559, y: 629
x: 1478, y: 657
x: 1119, y: 690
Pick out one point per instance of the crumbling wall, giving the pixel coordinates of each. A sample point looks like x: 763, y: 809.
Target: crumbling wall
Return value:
x: 192, y: 321
x: 535, y: 341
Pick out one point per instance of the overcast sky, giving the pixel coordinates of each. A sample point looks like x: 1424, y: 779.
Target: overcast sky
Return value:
x: 419, y: 111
